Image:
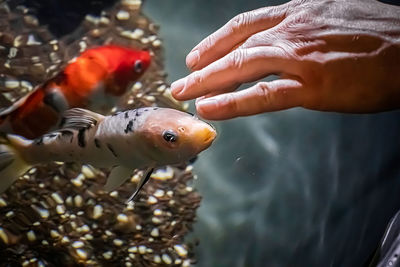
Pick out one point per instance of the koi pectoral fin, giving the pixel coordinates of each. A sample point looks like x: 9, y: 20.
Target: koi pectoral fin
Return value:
x: 117, y: 177
x: 145, y: 178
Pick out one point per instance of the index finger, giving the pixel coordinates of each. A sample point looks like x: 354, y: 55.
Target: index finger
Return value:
x: 233, y: 33
x: 239, y: 66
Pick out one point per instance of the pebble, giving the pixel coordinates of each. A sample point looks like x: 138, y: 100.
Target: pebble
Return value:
x: 152, y: 200
x: 60, y: 209
x: 157, y: 212
x: 166, y: 259
x: 156, y: 220
x: 122, y: 218
x: 43, y: 213
x: 78, y: 244
x: 3, y: 203
x: 78, y: 201
x: 88, y: 172
x: 88, y: 237
x: 132, y: 249
x: 97, y: 211
x: 69, y: 201
x: 155, y: 232
x: 132, y: 3
x: 156, y: 43
x: 4, y: 236
x: 81, y: 254
x: 180, y: 250
x: 159, y: 193
x: 114, y: 194
x: 163, y: 174
x: 123, y: 15
x: 84, y: 228
x: 54, y: 234
x: 157, y: 259
x: 27, y: 85
x: 118, y: 242
x: 31, y: 235
x: 107, y: 255
x: 32, y: 40
x: 57, y: 198
x: 18, y: 41
x: 142, y: 249
x: 11, y: 84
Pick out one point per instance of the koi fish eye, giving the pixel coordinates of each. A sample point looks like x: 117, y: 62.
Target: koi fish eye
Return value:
x: 138, y: 66
x: 170, y: 136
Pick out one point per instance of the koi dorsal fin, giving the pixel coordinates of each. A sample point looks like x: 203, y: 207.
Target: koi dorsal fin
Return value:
x: 78, y: 118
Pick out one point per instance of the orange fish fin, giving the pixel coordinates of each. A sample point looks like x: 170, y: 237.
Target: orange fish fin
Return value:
x: 7, y: 111
x: 32, y: 115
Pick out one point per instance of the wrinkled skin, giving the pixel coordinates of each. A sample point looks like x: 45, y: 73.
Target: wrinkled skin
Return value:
x: 330, y: 55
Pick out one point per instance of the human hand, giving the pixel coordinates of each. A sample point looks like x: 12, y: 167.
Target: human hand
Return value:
x: 330, y: 55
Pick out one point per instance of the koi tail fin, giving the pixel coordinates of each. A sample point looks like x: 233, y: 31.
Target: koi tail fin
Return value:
x: 12, y: 165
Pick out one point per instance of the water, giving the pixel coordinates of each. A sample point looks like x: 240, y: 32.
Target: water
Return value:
x: 291, y: 188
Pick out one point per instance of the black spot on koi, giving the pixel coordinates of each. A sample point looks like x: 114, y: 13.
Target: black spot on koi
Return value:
x: 112, y: 150
x: 97, y: 143
x: 129, y: 127
x: 81, y: 137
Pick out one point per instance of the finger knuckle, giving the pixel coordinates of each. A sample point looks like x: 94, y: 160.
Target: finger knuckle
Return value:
x: 208, y: 43
x: 239, y: 22
x: 231, y: 104
x: 237, y: 58
x: 296, y: 4
x: 197, y: 77
x: 265, y: 93
x: 254, y: 41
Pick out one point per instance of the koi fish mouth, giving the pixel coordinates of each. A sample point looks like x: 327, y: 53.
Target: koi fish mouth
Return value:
x: 208, y: 135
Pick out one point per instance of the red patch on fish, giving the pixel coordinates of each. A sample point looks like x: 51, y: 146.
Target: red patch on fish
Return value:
x: 105, y: 71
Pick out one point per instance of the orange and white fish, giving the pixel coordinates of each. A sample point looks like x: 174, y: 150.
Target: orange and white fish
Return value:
x: 141, y: 138
x: 94, y: 79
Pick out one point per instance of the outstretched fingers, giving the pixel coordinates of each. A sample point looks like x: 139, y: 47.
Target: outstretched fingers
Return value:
x: 262, y: 97
x: 236, y: 31
x: 239, y: 66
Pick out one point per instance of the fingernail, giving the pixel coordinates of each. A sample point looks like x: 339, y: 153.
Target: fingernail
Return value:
x: 192, y: 59
x: 207, y: 104
x: 178, y: 86
x: 199, y: 99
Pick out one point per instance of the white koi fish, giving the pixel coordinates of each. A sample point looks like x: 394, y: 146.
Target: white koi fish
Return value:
x: 140, y: 138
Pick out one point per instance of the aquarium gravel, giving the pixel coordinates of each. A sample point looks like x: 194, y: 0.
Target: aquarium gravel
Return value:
x: 58, y: 214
